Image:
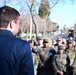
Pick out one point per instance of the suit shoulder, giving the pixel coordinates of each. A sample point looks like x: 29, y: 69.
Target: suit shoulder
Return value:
x: 19, y: 42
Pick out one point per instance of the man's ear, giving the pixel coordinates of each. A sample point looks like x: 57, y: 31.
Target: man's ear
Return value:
x: 12, y: 24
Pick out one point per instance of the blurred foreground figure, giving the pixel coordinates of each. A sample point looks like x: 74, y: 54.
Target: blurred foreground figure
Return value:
x: 15, y: 54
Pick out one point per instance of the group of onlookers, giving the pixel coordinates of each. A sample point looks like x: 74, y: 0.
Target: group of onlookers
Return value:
x: 54, y: 57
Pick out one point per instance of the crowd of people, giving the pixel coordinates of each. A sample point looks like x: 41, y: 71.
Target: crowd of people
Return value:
x: 54, y: 57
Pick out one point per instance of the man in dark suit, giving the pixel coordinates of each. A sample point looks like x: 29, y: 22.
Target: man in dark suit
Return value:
x: 15, y: 54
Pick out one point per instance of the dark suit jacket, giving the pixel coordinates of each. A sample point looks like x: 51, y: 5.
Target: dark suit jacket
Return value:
x: 15, y: 55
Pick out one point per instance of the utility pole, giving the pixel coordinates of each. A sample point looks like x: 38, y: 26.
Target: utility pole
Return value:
x: 30, y: 27
x: 4, y: 2
x: 44, y: 27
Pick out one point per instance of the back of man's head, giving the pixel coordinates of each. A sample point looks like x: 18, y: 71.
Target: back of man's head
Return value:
x: 7, y: 14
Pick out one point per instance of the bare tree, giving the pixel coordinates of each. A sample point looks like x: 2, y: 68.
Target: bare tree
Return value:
x: 24, y: 26
x: 32, y: 4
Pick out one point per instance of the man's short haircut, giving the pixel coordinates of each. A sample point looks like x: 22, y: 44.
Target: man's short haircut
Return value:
x: 7, y: 14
